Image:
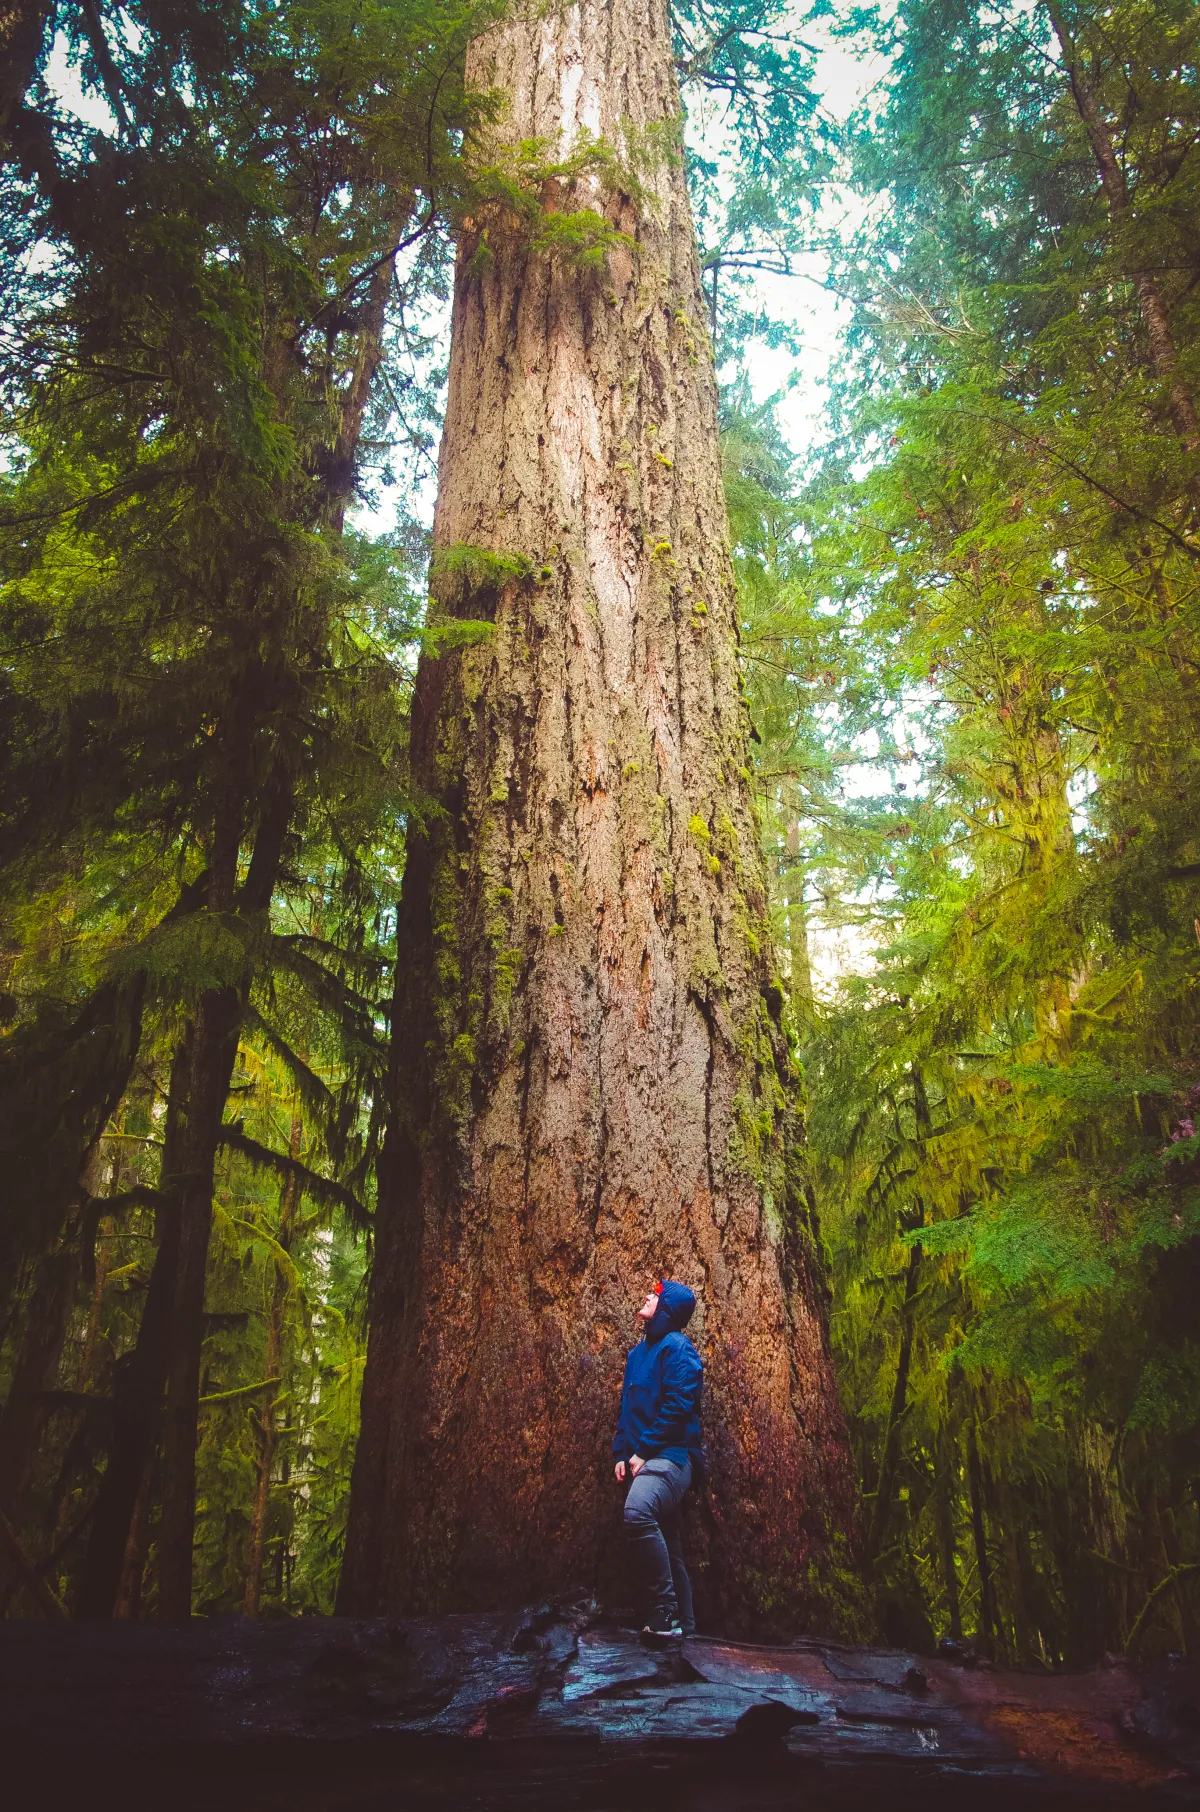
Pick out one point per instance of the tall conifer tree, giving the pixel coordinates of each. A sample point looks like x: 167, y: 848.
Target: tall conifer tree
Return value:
x: 591, y: 1072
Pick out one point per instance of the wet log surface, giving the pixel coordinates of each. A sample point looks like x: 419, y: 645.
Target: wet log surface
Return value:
x: 557, y: 1710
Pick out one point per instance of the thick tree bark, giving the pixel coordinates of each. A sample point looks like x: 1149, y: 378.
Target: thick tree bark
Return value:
x: 590, y: 1079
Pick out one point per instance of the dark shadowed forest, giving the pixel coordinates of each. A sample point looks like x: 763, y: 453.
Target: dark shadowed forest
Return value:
x: 299, y: 866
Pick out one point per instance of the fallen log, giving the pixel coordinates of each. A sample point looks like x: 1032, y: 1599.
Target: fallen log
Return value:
x: 559, y: 1708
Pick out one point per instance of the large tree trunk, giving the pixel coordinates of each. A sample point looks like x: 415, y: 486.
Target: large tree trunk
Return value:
x: 591, y: 1082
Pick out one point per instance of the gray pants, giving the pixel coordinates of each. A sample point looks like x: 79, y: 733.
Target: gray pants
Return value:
x: 652, y: 1527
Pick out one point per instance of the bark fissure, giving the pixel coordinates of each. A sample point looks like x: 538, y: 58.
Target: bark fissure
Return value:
x: 585, y: 1065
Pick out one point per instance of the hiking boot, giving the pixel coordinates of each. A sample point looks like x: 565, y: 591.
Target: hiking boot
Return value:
x: 662, y: 1630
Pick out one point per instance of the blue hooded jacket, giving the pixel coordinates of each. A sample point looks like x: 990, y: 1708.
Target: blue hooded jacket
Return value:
x: 660, y: 1398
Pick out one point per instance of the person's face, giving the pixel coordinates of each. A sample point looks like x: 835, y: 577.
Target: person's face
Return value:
x: 649, y: 1308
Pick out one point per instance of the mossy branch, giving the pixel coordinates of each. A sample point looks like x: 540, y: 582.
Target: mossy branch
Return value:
x: 320, y: 1189
x: 244, y: 1390
x: 1166, y: 1584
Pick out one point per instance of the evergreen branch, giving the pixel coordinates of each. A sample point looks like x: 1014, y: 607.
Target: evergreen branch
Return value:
x: 329, y: 989
x: 320, y: 1189
x: 337, y: 951
x: 313, y: 1092
x: 1040, y: 442
x: 110, y: 75
x: 1107, y: 1560
x: 141, y: 1195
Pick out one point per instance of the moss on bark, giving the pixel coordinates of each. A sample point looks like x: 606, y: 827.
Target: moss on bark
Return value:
x: 592, y: 1078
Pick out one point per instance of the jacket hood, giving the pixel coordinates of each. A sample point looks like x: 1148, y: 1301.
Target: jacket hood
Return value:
x: 675, y: 1306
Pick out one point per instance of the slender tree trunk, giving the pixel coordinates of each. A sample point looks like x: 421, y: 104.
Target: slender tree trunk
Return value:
x: 368, y: 358
x: 1014, y: 1577
x: 1158, y: 1565
x: 30, y: 1573
x: 91, y: 1338
x: 139, y: 1380
x: 26, y: 1408
x: 987, y: 1603
x: 1163, y: 353
x: 1095, y: 1592
x: 212, y: 1054
x: 127, y: 1604
x: 943, y: 1511
x: 219, y: 1012
x: 36, y: 1371
x: 890, y: 1456
x: 280, y: 1287
x: 799, y: 960
x: 42, y: 1160
x: 591, y: 1086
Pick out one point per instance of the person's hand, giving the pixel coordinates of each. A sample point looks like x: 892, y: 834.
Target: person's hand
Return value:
x: 619, y: 1469
x: 636, y: 1462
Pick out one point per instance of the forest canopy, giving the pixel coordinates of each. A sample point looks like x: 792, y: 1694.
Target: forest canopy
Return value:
x: 970, y: 634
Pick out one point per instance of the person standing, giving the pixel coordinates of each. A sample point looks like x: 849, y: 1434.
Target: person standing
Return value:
x: 657, y: 1447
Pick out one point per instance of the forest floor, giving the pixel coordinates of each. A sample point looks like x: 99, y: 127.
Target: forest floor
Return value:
x: 560, y: 1710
